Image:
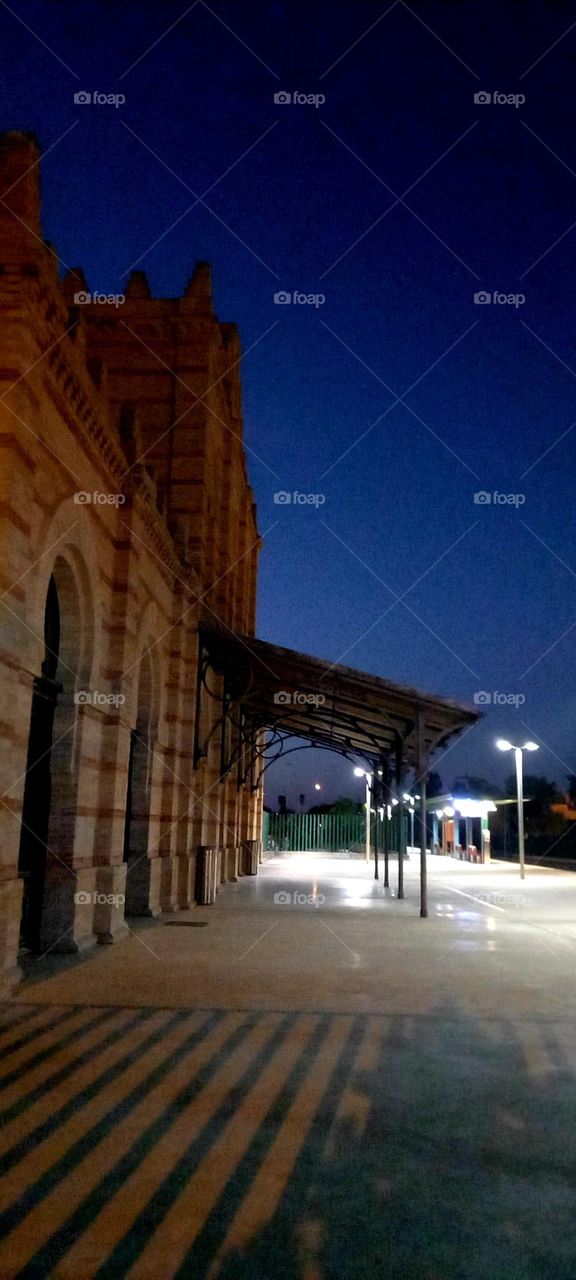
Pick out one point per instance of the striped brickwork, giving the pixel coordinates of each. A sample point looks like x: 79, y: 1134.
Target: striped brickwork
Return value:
x: 140, y: 404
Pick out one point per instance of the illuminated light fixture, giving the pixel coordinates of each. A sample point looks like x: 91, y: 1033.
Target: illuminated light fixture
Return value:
x: 449, y: 811
x: 439, y: 813
x: 317, y: 786
x: 359, y: 773
x: 504, y: 745
x: 469, y: 808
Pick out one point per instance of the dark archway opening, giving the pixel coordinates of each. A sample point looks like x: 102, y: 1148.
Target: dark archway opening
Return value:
x: 136, y: 830
x: 38, y: 785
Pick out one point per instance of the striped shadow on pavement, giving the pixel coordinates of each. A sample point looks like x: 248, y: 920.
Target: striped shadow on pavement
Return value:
x: 138, y: 1151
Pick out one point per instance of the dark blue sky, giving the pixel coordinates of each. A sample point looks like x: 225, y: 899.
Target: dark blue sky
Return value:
x: 491, y: 589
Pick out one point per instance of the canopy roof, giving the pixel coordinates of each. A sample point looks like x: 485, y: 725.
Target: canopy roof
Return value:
x: 331, y: 705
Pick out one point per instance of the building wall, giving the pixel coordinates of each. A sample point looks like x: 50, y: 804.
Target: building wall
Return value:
x: 140, y: 403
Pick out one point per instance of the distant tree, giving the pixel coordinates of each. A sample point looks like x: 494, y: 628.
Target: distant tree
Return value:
x: 571, y: 789
x: 434, y: 783
x: 342, y: 805
x: 478, y: 788
x: 540, y: 793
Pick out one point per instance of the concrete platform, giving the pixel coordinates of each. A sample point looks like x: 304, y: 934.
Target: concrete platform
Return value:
x: 318, y: 1086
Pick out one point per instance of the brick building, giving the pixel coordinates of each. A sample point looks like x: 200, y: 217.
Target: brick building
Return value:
x: 127, y: 520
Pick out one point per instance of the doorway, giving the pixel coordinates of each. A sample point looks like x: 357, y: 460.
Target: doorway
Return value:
x: 38, y: 785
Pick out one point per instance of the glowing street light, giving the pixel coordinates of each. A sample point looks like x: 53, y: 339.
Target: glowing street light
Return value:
x: 362, y: 773
x: 317, y: 786
x: 504, y: 745
x: 411, y: 801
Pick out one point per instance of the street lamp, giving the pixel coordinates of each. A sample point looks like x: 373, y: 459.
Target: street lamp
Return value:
x: 411, y: 801
x: 504, y: 745
x: 362, y: 773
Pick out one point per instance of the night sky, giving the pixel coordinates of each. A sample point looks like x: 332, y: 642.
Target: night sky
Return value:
x: 397, y: 199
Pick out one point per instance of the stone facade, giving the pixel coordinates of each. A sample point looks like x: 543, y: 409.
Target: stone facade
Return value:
x: 126, y: 519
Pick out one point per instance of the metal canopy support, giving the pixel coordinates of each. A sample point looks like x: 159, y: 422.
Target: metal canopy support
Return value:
x: 376, y: 789
x: 422, y: 775
x: 385, y: 801
x: 401, y: 848
x: 399, y: 777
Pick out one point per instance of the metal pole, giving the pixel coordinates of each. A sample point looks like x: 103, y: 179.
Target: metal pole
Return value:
x: 400, y: 843
x: 386, y: 842
x: 423, y: 867
x: 368, y: 779
x: 374, y: 789
x: 520, y: 790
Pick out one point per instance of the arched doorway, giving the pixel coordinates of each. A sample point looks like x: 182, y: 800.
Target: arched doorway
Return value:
x: 138, y: 795
x: 38, y: 785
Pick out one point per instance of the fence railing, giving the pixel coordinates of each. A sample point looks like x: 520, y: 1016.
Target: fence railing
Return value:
x: 323, y: 832
x: 332, y: 832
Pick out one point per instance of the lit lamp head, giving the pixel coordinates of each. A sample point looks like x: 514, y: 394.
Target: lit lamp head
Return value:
x: 504, y: 745
x: 359, y: 773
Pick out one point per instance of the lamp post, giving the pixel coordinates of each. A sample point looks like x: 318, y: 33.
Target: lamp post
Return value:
x: 411, y: 800
x: 504, y: 745
x: 361, y: 773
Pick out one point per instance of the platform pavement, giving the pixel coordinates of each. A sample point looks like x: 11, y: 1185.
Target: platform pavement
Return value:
x: 312, y: 1089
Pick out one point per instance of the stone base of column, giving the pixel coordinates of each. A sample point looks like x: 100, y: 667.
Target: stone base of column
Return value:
x: 169, y: 883
x: 208, y: 873
x: 109, y: 921
x: 68, y: 908
x: 250, y: 853
x: 10, y: 913
x: 186, y: 881
x: 143, y: 886
x: 230, y: 864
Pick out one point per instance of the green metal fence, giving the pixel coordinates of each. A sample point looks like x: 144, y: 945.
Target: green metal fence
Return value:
x: 332, y: 832
x: 323, y: 832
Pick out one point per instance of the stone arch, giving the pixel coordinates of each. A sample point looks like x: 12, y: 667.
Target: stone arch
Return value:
x: 74, y: 565
x: 46, y: 855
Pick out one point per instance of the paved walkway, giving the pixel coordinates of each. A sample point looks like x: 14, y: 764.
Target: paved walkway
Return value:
x: 317, y: 1087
